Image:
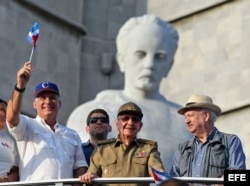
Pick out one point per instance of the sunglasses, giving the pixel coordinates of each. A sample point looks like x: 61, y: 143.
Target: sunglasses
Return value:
x: 135, y: 119
x: 95, y: 119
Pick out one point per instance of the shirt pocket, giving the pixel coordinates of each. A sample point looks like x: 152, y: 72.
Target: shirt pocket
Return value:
x: 70, y: 147
x: 219, y: 156
x: 42, y: 139
x: 140, y: 164
x: 108, y: 167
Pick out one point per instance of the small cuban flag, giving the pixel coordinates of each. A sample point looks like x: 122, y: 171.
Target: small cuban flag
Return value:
x: 159, y: 176
x: 33, y: 34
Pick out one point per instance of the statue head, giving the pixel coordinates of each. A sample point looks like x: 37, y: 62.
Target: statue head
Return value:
x: 146, y: 47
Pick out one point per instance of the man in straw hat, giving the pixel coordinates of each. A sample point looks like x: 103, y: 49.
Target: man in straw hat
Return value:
x: 210, y: 151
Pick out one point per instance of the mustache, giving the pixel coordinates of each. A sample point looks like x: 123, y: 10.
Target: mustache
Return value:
x: 150, y: 75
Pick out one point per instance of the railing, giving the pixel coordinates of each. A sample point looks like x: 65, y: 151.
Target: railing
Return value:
x: 115, y: 180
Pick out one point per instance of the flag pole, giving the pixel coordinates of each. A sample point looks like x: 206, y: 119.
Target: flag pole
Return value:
x: 31, y: 53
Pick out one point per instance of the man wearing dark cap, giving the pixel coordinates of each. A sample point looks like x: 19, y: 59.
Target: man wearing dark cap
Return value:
x: 210, y: 151
x: 47, y: 149
x: 126, y: 155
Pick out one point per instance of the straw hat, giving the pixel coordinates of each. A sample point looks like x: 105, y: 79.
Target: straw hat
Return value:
x: 200, y: 101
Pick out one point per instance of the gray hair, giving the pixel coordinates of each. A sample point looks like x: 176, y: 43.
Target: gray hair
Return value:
x: 167, y: 28
x: 212, y: 117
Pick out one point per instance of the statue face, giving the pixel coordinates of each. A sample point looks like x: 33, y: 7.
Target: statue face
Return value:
x: 146, y: 58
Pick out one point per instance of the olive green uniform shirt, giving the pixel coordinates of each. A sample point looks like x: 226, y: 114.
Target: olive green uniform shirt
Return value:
x: 112, y: 159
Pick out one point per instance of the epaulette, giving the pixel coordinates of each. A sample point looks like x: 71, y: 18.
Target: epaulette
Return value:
x: 147, y: 141
x: 103, y: 142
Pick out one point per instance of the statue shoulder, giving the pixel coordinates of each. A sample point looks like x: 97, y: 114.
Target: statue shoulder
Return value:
x: 98, y: 102
x: 108, y: 94
x: 105, y: 142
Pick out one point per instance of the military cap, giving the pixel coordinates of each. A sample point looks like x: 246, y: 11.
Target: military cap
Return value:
x: 130, y: 108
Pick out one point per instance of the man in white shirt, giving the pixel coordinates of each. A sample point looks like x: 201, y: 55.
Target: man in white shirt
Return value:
x: 47, y: 149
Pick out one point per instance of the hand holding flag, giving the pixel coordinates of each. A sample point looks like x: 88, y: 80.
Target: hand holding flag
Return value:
x: 159, y: 176
x: 33, y: 36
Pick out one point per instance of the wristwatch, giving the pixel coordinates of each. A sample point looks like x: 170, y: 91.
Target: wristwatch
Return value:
x: 19, y: 89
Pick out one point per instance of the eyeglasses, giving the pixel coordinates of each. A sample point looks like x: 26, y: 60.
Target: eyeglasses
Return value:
x: 95, y: 119
x: 135, y: 119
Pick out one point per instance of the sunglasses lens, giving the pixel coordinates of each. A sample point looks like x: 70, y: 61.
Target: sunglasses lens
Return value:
x: 103, y: 120
x: 95, y: 120
x: 125, y: 118
x: 133, y: 118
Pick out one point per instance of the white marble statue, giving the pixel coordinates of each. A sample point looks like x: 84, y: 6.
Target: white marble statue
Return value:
x: 146, y: 47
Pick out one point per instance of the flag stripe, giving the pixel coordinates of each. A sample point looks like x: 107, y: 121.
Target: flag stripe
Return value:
x: 33, y: 34
x: 159, y: 176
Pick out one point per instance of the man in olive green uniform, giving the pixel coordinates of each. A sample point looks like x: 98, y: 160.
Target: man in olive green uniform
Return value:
x: 125, y: 156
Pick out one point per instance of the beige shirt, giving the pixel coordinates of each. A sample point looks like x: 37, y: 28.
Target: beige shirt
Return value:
x: 112, y: 159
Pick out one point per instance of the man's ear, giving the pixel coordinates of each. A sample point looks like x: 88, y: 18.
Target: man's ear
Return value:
x: 60, y: 103
x: 87, y: 129
x: 110, y: 128
x: 34, y: 104
x: 120, y: 61
x: 208, y: 115
x: 116, y: 124
x: 141, y: 124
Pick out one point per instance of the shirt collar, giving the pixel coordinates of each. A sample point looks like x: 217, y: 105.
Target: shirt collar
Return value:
x: 42, y: 121
x: 210, y: 136
x: 119, y: 141
x: 87, y: 143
